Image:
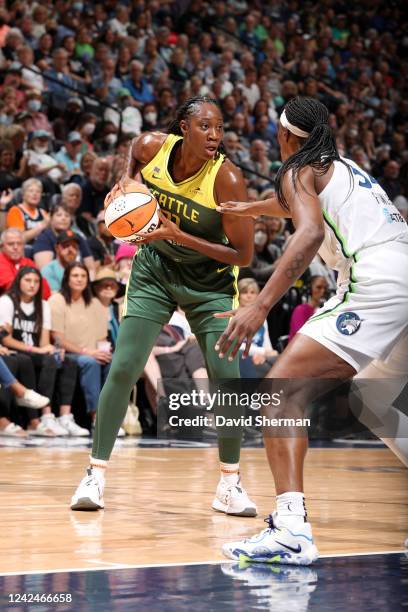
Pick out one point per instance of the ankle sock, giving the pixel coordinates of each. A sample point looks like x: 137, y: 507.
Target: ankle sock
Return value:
x: 229, y: 472
x: 98, y: 468
x: 291, y: 508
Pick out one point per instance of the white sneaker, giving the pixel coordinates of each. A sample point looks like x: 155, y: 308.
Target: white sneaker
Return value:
x: 233, y: 499
x: 51, y: 422
x: 14, y: 431
x: 276, y: 544
x: 89, y: 494
x: 32, y: 399
x: 42, y: 430
x: 68, y: 423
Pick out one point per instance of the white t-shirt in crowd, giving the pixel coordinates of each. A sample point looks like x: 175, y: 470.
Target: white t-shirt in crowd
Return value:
x: 7, y: 311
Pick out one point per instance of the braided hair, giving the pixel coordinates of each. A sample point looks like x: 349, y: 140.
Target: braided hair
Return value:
x: 318, y: 149
x: 190, y: 108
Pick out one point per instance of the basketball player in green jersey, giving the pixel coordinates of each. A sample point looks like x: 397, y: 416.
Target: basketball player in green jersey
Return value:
x: 192, y: 261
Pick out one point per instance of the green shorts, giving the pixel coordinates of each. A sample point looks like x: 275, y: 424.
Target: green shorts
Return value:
x: 158, y: 285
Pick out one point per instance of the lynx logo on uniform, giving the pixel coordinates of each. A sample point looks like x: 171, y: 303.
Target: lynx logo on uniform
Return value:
x: 348, y: 323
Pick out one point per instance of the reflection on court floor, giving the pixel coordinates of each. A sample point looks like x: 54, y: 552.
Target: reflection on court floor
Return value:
x: 346, y: 583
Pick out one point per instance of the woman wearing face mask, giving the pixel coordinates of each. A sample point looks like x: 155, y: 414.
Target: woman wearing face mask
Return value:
x: 38, y: 119
x: 150, y: 117
x: 106, y: 143
x: 263, y: 262
x: 86, y: 127
x: 44, y: 245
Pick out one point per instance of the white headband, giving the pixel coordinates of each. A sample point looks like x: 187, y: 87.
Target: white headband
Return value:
x: 292, y: 128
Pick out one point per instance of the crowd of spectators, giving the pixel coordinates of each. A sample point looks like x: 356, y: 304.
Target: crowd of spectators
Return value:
x: 78, y: 80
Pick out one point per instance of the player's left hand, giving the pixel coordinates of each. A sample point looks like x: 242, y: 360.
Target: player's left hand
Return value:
x: 244, y: 323
x: 167, y: 230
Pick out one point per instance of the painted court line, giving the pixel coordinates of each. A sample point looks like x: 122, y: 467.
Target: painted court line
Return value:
x: 106, y: 565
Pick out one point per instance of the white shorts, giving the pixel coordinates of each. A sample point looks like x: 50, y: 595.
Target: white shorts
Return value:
x: 369, y: 313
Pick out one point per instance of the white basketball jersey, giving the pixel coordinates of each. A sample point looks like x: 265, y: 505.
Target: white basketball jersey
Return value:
x: 357, y: 214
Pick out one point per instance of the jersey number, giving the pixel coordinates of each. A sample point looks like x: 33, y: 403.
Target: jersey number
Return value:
x: 366, y: 180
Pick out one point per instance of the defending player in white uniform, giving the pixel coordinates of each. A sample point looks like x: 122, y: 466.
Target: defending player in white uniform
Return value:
x: 341, y: 212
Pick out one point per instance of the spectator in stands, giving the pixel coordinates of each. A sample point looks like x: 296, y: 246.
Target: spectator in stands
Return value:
x: 69, y: 121
x: 86, y: 127
x: 44, y: 245
x: 95, y: 189
x: 249, y: 88
x: 120, y: 24
x: 276, y: 226
x: 67, y: 251
x: 123, y: 62
x: 401, y: 201
x: 25, y: 397
x: 123, y: 260
x: 87, y: 161
x: 240, y: 125
x: 106, y: 87
x: 42, y: 54
x: 12, y: 260
x: 154, y: 64
x: 263, y: 262
x: 138, y: 86
x: 166, y: 105
x: 39, y: 120
x: 102, y: 244
x: 261, y: 353
x: 59, y: 78
x: 30, y: 74
x: 70, y: 154
x: 390, y: 180
x: 28, y: 318
x: 41, y: 164
x: 79, y: 323
x: 234, y: 149
x: 9, y: 177
x: 258, y: 162
x: 126, y: 111
x: 178, y: 353
x: 28, y: 217
x: 317, y: 294
x: 106, y: 288
x: 71, y: 198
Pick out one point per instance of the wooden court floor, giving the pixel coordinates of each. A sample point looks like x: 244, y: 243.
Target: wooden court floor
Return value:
x: 158, y: 506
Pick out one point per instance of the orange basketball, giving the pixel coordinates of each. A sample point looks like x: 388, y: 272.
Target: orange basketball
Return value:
x: 130, y: 213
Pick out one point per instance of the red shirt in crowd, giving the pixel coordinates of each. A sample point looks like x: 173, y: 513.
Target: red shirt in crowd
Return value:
x: 8, y: 272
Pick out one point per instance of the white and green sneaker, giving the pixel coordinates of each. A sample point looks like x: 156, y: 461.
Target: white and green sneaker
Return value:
x: 233, y: 499
x: 276, y: 544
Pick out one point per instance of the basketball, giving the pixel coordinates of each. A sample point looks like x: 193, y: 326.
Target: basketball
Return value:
x: 131, y: 213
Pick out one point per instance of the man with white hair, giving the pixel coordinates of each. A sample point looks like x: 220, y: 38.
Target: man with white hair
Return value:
x: 12, y: 259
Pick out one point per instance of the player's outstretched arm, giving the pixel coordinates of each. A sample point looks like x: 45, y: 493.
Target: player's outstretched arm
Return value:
x: 269, y: 207
x: 303, y: 246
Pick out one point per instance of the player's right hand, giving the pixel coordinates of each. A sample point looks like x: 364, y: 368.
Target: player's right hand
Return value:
x: 240, y: 209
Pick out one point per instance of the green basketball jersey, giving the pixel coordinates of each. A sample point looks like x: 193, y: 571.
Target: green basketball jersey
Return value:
x: 190, y: 204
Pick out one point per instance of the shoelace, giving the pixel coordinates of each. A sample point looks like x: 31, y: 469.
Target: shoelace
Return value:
x: 270, y: 522
x: 271, y: 527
